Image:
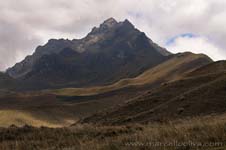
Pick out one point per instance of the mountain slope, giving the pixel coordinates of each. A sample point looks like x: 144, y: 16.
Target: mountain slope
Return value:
x: 172, y: 69
x: 6, y: 81
x: 193, y: 95
x: 113, y: 51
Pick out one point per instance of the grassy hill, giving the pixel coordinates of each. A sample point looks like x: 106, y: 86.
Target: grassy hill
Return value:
x: 169, y: 70
x: 192, y: 95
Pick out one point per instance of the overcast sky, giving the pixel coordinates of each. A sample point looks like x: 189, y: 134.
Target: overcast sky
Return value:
x: 179, y: 25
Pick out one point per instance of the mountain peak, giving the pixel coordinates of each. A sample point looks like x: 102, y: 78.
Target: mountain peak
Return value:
x: 126, y: 21
x: 128, y: 24
x: 114, y: 44
x: 105, y: 26
x: 110, y: 22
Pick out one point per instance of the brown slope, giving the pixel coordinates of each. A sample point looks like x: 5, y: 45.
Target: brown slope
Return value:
x: 172, y: 69
x: 40, y: 109
x: 210, y: 68
x: 198, y: 94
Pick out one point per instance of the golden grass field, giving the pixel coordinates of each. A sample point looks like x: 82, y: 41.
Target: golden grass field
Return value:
x: 20, y: 118
x: 199, y: 133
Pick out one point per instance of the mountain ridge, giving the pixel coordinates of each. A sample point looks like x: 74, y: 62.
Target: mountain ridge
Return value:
x: 107, y: 51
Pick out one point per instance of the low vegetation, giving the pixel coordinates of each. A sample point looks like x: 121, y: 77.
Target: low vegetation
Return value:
x: 204, y: 133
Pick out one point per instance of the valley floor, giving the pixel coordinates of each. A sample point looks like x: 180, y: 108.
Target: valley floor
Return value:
x: 204, y: 133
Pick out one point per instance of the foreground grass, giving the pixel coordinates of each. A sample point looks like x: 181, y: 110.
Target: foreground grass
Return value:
x: 205, y: 133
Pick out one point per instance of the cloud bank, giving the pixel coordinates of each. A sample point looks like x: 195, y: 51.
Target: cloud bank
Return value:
x: 26, y: 24
x: 198, y: 45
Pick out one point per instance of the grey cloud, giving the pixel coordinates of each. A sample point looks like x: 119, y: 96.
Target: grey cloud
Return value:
x: 15, y: 43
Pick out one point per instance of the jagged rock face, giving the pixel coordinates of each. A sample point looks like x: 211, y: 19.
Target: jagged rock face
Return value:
x: 113, y: 51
